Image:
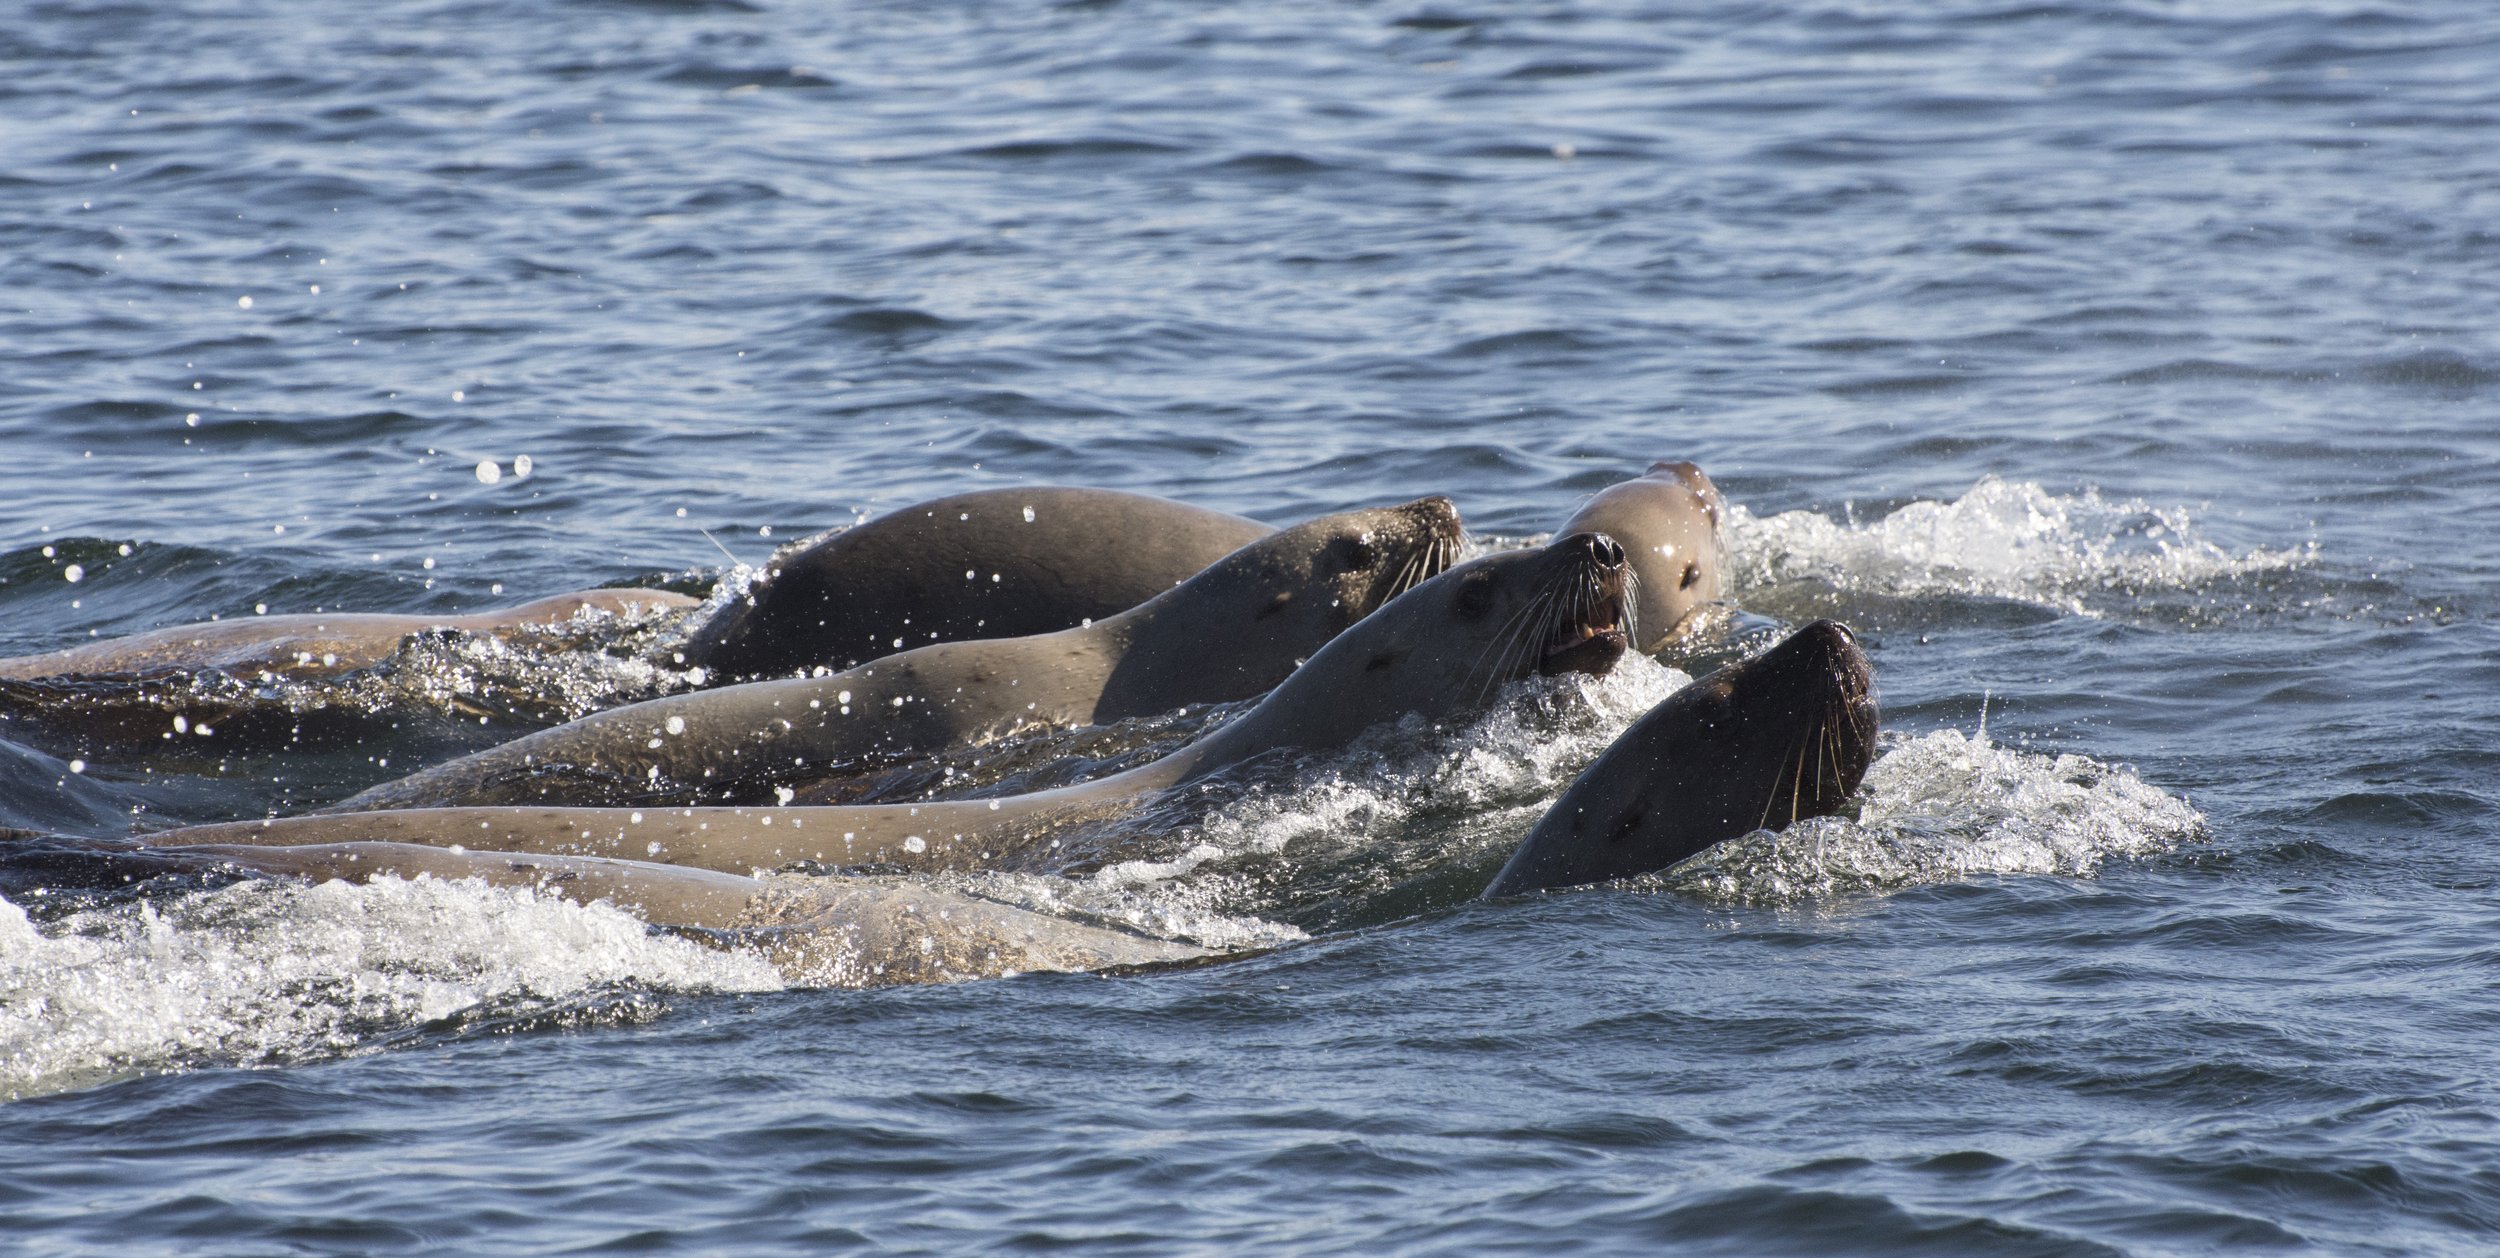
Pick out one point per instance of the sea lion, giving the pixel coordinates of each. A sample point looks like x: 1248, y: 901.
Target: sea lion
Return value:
x: 261, y: 682
x: 1669, y: 520
x: 1231, y: 632
x: 995, y: 563
x: 1438, y: 651
x: 1754, y: 746
x: 820, y: 932
x: 308, y: 646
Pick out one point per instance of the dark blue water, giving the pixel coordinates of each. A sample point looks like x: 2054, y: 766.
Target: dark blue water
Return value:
x: 2125, y: 372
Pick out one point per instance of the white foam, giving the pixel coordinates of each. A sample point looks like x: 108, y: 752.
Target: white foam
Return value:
x: 1162, y: 900
x: 1936, y: 807
x: 282, y: 971
x: 1946, y: 806
x: 1411, y: 796
x: 2003, y: 539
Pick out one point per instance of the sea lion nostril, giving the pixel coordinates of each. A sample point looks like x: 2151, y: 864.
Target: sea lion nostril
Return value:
x: 1600, y: 547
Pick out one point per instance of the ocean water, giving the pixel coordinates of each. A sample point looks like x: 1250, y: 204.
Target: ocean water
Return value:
x: 2125, y: 373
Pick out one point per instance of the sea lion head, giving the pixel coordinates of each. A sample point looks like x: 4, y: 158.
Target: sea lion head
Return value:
x: 1273, y: 603
x: 1669, y: 520
x: 1442, y: 649
x: 1303, y: 585
x: 1755, y: 746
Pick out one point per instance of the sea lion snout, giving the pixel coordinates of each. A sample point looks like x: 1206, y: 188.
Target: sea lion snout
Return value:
x: 1591, y: 623
x: 1600, y: 548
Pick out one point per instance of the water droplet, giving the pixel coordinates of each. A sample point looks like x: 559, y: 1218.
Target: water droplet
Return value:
x: 244, y: 302
x: 77, y: 766
x: 1028, y: 515
x: 676, y: 725
x: 74, y: 574
x: 522, y: 466
x: 487, y: 472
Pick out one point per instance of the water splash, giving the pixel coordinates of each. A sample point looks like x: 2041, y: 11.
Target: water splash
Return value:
x: 1946, y: 806
x: 2076, y: 553
x: 1417, y: 819
x: 1406, y: 819
x: 593, y: 660
x: 1145, y: 897
x: 276, y: 971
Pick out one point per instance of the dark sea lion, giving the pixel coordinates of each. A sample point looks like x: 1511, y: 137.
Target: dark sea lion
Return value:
x: 1438, y: 651
x: 1233, y: 631
x: 995, y: 563
x: 301, y: 647
x: 1755, y: 746
x: 1669, y: 520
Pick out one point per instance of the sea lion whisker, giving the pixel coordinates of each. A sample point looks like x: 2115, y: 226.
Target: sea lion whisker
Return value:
x: 1795, y: 754
x: 1531, y: 634
x: 1632, y: 605
x: 1495, y: 658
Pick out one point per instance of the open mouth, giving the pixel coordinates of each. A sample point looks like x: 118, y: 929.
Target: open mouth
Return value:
x: 1589, y: 648
x: 1593, y: 633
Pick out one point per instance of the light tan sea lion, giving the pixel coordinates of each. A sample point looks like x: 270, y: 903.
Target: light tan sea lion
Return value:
x: 320, y: 644
x: 819, y: 932
x: 1669, y: 520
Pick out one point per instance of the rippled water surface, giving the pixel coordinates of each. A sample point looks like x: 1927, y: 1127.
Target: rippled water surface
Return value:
x: 2125, y: 373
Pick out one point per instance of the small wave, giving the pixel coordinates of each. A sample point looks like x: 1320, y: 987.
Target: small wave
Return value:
x: 1414, y: 821
x: 2003, y: 539
x: 273, y: 971
x: 1404, y: 822
x: 1947, y: 806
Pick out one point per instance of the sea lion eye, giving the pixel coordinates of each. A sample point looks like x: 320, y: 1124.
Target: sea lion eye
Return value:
x: 1353, y: 554
x: 1692, y: 575
x: 1475, y: 597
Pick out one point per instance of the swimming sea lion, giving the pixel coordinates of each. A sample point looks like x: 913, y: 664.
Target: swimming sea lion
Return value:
x: 1439, y: 650
x: 995, y: 563
x: 265, y: 681
x: 1669, y: 520
x: 822, y: 932
x: 1754, y: 746
x: 1231, y: 632
x: 305, y: 646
